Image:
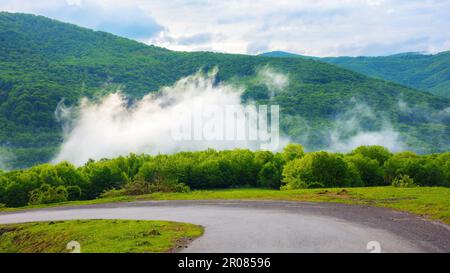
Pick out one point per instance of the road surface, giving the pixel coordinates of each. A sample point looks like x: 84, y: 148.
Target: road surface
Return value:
x: 271, y: 226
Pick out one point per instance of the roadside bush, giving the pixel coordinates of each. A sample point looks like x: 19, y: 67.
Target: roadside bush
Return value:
x: 293, y: 151
x: 425, y: 171
x: 168, y: 186
x: 290, y: 169
x: 324, y: 168
x: 379, y: 153
x: 47, y: 194
x: 137, y: 187
x: 269, y: 176
x: 73, y: 193
x: 369, y: 170
x: 403, y: 181
x: 103, y: 175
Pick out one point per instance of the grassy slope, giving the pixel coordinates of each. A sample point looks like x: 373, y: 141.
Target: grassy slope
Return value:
x: 102, y: 236
x: 430, y: 202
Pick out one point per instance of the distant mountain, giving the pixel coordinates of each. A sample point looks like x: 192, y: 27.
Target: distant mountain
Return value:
x: 43, y: 61
x: 429, y: 73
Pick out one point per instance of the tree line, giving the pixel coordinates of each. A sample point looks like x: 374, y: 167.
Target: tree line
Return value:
x: 292, y: 168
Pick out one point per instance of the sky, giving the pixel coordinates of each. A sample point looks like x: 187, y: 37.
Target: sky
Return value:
x: 309, y: 27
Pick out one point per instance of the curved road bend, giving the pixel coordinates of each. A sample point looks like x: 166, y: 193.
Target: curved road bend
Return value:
x: 270, y: 226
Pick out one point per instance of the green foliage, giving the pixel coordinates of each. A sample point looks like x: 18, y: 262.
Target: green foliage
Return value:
x: 420, y: 71
x: 46, y: 194
x: 403, y: 181
x: 137, y: 187
x: 379, y: 153
x: 293, y: 151
x: 211, y: 169
x: 73, y: 193
x: 369, y: 169
x: 103, y: 175
x: 424, y: 170
x: 329, y: 170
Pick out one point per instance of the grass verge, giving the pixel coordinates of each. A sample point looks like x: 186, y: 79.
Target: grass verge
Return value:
x: 100, y: 236
x: 429, y: 202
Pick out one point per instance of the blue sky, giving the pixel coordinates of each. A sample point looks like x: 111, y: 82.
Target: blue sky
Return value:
x: 313, y: 27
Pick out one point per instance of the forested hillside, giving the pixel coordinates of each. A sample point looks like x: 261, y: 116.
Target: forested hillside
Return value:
x: 43, y: 61
x: 425, y: 72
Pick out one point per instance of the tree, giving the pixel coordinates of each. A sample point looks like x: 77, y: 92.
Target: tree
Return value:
x: 443, y: 160
x: 425, y: 171
x: 293, y: 151
x: 403, y: 181
x: 330, y: 170
x: 379, y: 153
x: 103, y: 175
x: 47, y: 194
x: 269, y: 176
x: 369, y: 169
x: 74, y: 193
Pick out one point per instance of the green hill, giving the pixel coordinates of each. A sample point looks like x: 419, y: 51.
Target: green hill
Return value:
x: 43, y: 61
x: 429, y: 73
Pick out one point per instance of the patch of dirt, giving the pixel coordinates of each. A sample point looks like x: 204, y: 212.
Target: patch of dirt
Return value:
x: 344, y: 194
x: 181, y: 244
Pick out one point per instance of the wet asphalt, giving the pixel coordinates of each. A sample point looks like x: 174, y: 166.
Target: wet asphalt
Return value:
x: 271, y: 226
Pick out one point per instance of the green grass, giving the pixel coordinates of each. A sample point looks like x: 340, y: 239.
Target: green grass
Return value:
x: 429, y: 202
x: 100, y: 236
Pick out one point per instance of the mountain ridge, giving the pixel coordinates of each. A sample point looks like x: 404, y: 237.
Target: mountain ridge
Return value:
x: 43, y: 61
x: 427, y: 72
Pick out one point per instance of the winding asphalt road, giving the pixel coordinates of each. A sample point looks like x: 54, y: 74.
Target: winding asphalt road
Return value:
x: 271, y: 226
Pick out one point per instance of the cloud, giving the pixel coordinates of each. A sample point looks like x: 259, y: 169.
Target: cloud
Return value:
x: 5, y: 157
x: 273, y: 80
x: 361, y: 126
x: 424, y: 112
x: 195, y: 41
x: 115, y: 17
x: 110, y: 127
x: 318, y: 28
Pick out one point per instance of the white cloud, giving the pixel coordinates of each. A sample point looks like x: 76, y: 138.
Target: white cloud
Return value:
x: 320, y: 28
x: 109, y: 127
x: 275, y: 81
x: 349, y: 132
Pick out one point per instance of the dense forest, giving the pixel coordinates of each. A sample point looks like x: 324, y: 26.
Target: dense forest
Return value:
x: 290, y: 169
x: 427, y: 72
x: 43, y: 61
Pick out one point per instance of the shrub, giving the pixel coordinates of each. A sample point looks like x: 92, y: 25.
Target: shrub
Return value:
x: 293, y: 151
x: 47, y: 194
x: 379, y: 153
x: 168, y: 186
x: 328, y: 169
x: 425, y: 171
x: 137, y: 187
x: 369, y: 169
x: 74, y: 193
x: 403, y: 181
x: 269, y: 176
